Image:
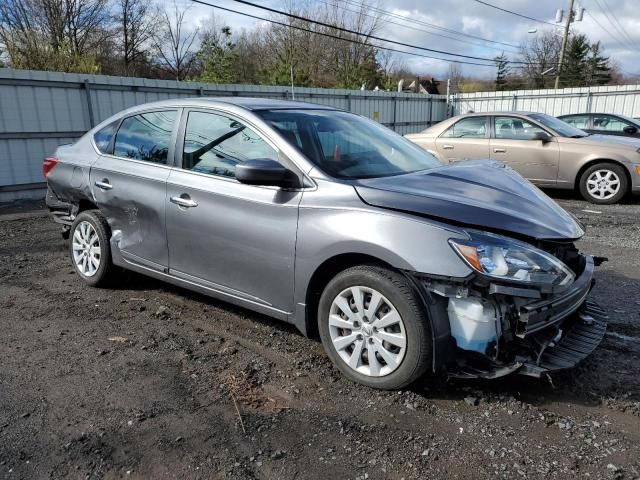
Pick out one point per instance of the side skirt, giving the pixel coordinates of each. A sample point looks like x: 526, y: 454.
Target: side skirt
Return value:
x: 196, y: 287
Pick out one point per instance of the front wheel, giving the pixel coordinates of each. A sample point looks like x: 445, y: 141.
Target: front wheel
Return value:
x: 603, y: 183
x: 374, y: 328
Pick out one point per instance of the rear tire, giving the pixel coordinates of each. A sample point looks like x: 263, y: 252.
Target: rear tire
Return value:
x: 604, y: 183
x: 368, y: 310
x: 89, y: 248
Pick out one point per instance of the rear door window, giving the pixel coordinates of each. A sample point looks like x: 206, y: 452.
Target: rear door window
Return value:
x: 471, y: 127
x: 146, y: 136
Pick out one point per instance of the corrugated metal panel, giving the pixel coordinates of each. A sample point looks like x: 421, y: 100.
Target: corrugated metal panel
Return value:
x: 40, y: 110
x: 622, y: 99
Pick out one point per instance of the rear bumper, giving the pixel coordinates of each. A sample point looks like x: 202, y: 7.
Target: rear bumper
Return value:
x: 60, y: 211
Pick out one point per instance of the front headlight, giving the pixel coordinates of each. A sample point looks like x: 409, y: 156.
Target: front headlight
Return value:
x: 506, y: 259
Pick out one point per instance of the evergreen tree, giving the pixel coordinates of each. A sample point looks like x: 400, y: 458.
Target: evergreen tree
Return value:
x: 216, y: 56
x: 584, y: 64
x: 598, y: 67
x: 575, y: 61
x: 503, y: 71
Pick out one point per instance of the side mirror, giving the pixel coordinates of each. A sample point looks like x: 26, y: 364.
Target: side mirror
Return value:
x: 630, y: 130
x: 266, y: 172
x: 542, y: 136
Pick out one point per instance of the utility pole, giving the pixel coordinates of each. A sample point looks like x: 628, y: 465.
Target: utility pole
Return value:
x: 565, y: 37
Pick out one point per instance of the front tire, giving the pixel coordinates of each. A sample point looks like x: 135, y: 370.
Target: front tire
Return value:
x: 89, y: 248
x: 604, y: 183
x: 374, y: 328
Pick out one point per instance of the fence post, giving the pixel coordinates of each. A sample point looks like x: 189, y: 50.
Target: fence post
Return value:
x: 349, y: 101
x: 589, y: 100
x: 395, y: 112
x: 87, y: 90
x: 514, y: 105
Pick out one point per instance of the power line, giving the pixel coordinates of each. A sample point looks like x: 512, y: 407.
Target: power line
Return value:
x: 374, y: 37
x: 514, y: 13
x: 351, y: 40
x: 392, y: 15
x: 431, y: 25
x: 606, y: 30
x: 624, y: 36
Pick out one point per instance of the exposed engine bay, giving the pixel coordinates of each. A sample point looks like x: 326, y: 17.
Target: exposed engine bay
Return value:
x: 500, y: 327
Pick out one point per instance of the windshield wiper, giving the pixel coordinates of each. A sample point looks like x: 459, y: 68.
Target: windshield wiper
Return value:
x: 196, y: 154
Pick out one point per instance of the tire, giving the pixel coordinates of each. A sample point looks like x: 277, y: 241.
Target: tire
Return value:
x: 604, y: 183
x: 88, y: 231
x: 370, y: 335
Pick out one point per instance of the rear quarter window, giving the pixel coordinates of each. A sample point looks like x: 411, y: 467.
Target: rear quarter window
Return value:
x: 103, y: 137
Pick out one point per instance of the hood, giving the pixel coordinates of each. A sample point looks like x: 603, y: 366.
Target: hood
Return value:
x: 618, y: 140
x: 479, y: 194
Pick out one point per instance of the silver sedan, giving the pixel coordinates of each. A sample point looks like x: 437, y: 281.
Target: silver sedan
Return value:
x: 335, y: 224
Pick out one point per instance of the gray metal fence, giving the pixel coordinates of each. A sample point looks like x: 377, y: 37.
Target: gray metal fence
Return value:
x: 40, y: 110
x: 621, y: 99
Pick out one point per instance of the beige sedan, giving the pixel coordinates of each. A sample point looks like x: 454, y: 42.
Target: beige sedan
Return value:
x: 543, y: 149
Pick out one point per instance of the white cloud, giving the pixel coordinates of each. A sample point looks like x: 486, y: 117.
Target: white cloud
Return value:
x: 474, y: 18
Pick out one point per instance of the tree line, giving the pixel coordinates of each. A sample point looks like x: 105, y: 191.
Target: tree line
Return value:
x: 142, y: 38
x: 584, y: 65
x: 157, y: 40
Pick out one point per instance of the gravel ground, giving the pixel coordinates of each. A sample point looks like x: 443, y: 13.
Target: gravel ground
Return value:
x: 148, y: 380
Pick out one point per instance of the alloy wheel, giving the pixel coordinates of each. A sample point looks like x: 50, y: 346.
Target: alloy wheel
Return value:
x: 603, y: 184
x: 86, y: 249
x: 367, y: 331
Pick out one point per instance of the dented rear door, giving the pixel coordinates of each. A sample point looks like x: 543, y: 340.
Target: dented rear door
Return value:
x: 129, y: 186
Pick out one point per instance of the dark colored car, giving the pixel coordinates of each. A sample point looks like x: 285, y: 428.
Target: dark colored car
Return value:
x: 604, y: 124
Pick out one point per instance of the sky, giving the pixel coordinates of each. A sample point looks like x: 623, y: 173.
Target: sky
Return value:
x: 615, y: 23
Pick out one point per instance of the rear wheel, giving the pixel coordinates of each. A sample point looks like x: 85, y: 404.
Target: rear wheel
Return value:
x: 89, y: 248
x: 373, y: 327
x: 604, y: 183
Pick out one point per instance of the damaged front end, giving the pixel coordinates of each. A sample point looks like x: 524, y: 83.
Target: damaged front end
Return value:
x: 524, y: 309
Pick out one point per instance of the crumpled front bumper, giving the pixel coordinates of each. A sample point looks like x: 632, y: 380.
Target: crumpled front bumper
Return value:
x: 537, y: 316
x: 577, y: 343
x: 555, y: 333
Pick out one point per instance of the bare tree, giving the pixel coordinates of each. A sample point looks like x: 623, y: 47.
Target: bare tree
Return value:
x: 173, y: 43
x: 540, y: 54
x: 137, y: 21
x: 456, y: 78
x: 53, y: 34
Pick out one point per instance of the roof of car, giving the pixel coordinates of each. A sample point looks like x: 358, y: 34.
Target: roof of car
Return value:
x: 484, y: 114
x: 247, y: 103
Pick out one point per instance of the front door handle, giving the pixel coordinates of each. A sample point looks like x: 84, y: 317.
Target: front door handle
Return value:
x: 499, y: 150
x: 104, y: 184
x: 185, y: 202
x: 447, y: 147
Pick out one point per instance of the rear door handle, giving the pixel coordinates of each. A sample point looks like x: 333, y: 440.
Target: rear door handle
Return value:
x: 499, y: 150
x: 447, y: 147
x: 104, y: 185
x: 183, y: 202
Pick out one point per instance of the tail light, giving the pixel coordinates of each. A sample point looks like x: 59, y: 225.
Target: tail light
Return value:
x: 48, y: 164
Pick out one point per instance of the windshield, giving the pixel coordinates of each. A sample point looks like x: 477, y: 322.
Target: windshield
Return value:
x: 633, y: 121
x: 558, y: 126
x: 345, y: 145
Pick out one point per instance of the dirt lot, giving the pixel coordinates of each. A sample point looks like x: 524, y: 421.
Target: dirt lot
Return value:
x: 152, y: 381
